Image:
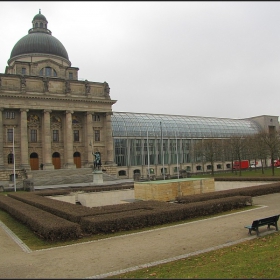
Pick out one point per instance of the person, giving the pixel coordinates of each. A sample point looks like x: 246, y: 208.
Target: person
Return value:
x: 41, y: 166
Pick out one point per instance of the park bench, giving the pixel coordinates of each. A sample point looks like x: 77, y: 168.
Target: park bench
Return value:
x: 269, y: 221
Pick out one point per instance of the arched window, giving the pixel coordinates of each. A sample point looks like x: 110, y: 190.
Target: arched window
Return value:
x: 41, y: 25
x: 48, y: 72
x: 136, y: 171
x: 122, y: 173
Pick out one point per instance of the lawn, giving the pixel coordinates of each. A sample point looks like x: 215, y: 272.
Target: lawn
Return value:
x: 257, y: 258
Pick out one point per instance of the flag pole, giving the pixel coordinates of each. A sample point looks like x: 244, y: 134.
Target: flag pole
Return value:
x: 148, y: 148
x: 177, y: 155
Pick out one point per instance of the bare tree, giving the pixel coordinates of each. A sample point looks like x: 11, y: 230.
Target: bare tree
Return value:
x: 209, y: 150
x: 238, y: 146
x: 270, y: 141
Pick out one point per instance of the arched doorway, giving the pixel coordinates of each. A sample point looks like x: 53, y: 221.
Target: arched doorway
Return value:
x: 77, y: 159
x: 56, y: 160
x: 34, y: 161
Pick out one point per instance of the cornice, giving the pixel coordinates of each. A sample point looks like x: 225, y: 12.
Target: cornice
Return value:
x: 57, y: 98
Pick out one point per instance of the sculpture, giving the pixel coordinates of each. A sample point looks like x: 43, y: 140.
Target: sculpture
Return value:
x: 97, y: 160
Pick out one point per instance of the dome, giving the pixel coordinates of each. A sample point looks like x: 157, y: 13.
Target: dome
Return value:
x: 39, y: 40
x: 39, y: 43
x: 40, y: 17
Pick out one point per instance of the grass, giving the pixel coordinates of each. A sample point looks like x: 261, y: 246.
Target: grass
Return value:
x: 257, y: 258
x: 244, y: 173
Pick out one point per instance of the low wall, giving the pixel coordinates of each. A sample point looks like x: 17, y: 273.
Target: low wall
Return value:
x: 168, y: 190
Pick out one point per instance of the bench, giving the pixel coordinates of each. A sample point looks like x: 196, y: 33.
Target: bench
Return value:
x: 269, y: 221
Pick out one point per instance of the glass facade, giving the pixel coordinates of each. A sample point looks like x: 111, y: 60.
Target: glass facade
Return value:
x: 151, y: 139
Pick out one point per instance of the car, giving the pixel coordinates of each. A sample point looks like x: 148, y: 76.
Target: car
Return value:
x: 252, y: 165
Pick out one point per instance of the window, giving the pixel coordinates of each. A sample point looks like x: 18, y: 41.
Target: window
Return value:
x: 55, y: 136
x: 96, y: 118
x: 48, y: 72
x: 209, y: 167
x: 70, y: 76
x: 33, y: 135
x: 41, y: 25
x: 10, y: 134
x: 10, y: 158
x: 219, y: 166
x: 122, y: 173
x: 23, y: 70
x: 97, y: 135
x: 9, y: 115
x: 198, y: 168
x: 76, y: 136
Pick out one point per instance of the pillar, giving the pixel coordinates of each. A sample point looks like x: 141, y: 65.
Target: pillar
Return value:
x: 24, y: 139
x: 109, y: 140
x: 68, y: 140
x: 46, y: 141
x: 1, y: 140
x: 89, y: 139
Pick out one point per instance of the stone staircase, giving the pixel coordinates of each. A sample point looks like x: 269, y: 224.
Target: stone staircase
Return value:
x: 65, y: 176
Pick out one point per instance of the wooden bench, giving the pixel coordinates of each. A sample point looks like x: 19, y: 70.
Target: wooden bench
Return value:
x: 269, y: 221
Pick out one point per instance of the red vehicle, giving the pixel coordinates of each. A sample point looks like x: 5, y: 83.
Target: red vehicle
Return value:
x: 243, y: 164
x: 276, y: 162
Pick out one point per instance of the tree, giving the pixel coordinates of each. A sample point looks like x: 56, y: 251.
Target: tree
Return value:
x: 208, y: 150
x: 270, y: 141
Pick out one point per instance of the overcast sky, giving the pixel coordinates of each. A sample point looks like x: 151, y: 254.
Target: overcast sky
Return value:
x: 210, y: 59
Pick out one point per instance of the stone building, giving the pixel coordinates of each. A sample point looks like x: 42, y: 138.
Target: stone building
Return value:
x: 49, y: 116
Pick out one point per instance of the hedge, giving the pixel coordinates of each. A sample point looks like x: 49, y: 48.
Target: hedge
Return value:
x: 44, y: 224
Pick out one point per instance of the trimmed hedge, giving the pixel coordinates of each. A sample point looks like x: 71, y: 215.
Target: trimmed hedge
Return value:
x: 140, y: 218
x: 44, y: 224
x: 74, y: 213
x: 63, y: 191
x: 247, y: 191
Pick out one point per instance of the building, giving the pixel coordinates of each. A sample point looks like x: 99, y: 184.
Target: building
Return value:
x: 171, y: 140
x: 52, y: 119
x: 49, y: 116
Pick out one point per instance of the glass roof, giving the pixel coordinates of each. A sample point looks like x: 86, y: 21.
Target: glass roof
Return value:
x: 126, y: 124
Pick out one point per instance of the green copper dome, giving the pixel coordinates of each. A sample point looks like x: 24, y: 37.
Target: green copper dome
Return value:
x: 39, y: 40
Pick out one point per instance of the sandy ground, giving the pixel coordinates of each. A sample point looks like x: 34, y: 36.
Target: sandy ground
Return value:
x: 111, y: 256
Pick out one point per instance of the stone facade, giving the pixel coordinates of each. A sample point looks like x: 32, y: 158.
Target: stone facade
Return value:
x: 58, y: 120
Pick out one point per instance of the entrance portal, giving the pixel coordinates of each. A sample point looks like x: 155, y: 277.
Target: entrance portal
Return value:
x: 34, y: 161
x: 56, y: 160
x: 77, y: 159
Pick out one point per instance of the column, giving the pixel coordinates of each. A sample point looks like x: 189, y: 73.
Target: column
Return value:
x: 68, y: 140
x: 1, y: 140
x: 89, y: 139
x: 109, y: 139
x: 46, y: 141
x: 24, y: 139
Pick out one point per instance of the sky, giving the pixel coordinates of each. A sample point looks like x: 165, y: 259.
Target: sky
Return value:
x: 209, y: 59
